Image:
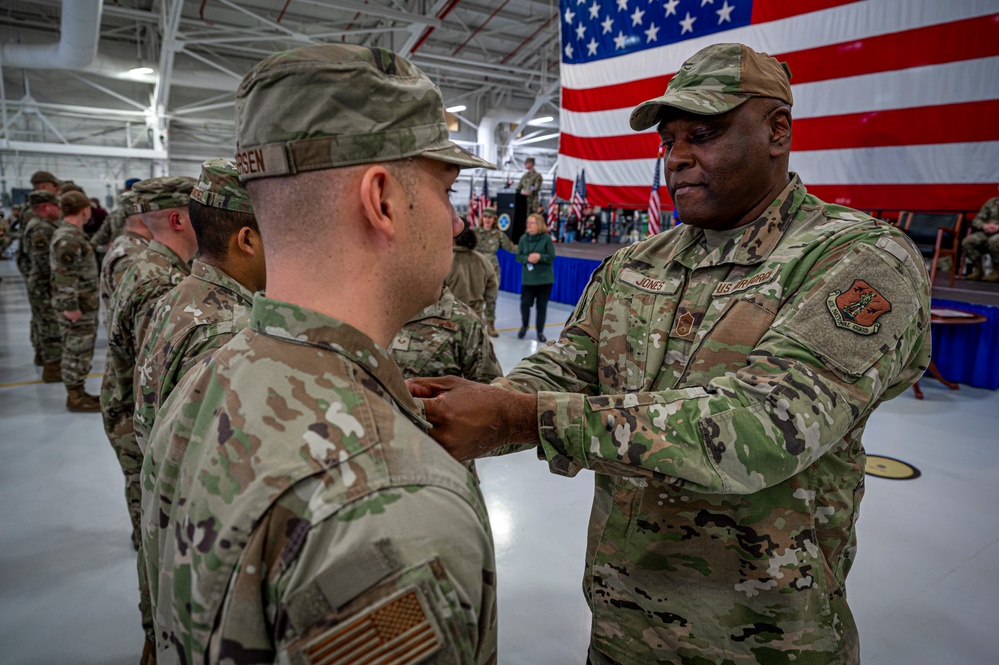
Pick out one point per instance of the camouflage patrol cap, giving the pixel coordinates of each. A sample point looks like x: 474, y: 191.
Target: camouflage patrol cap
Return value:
x: 717, y: 79
x: 219, y: 187
x: 489, y: 211
x: 162, y: 193
x: 126, y: 201
x: 40, y: 196
x: 334, y: 105
x: 39, y: 177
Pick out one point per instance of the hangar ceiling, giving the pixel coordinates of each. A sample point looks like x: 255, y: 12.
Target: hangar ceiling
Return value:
x: 72, y: 95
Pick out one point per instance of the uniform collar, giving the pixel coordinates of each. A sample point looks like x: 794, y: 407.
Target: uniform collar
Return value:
x: 160, y: 248
x: 441, y: 309
x: 219, y: 278
x: 299, y: 325
x: 757, y: 240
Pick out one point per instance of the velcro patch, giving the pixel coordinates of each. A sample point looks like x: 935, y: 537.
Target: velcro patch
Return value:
x: 442, y: 323
x: 401, y: 343
x: 397, y: 631
x: 648, y: 284
x: 729, y: 288
x: 858, y: 308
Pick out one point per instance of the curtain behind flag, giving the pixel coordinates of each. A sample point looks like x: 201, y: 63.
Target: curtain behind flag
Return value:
x: 890, y: 96
x: 655, y: 209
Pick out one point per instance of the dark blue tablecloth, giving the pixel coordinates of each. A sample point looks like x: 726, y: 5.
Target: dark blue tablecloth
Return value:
x: 968, y: 353
x: 964, y: 353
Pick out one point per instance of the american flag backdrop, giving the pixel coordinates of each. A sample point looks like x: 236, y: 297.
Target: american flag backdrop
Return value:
x: 895, y: 101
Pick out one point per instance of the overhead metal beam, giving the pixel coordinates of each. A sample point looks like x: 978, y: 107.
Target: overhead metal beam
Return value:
x: 80, y: 150
x: 375, y: 10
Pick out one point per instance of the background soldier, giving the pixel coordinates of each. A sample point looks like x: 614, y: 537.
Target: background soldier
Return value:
x: 530, y: 185
x: 710, y: 380
x: 75, y: 299
x: 211, y: 304
x: 309, y: 398
x: 984, y: 239
x: 114, y: 223
x: 123, y: 250
x: 471, y: 279
x: 489, y: 239
x: 162, y: 204
x: 37, y: 244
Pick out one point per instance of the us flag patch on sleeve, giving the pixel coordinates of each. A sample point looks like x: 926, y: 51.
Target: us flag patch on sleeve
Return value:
x: 398, y: 631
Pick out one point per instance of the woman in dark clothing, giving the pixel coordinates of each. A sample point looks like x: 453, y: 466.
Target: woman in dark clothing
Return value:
x: 537, y: 253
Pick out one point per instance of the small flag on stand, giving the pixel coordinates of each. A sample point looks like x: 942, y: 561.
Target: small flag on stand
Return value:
x: 484, y: 196
x: 579, y: 194
x: 553, y: 207
x: 655, y: 210
x: 473, y: 204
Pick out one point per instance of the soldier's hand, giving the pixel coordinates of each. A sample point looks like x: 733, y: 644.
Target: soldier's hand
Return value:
x: 990, y: 228
x: 472, y: 419
x: 73, y: 316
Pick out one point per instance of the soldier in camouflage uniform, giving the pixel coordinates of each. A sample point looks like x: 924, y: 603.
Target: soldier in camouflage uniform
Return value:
x: 75, y: 300
x: 162, y: 205
x: 37, y: 243
x: 984, y: 238
x: 320, y: 502
x: 445, y: 339
x: 530, y: 185
x: 122, y: 251
x: 718, y: 378
x: 489, y: 239
x: 211, y: 304
x: 471, y: 278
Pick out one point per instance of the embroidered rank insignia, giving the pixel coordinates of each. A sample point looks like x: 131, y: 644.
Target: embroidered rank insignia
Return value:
x: 684, y: 324
x: 859, y: 308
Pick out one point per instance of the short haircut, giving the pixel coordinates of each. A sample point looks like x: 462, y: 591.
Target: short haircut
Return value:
x: 466, y: 238
x: 213, y: 227
x: 72, y: 202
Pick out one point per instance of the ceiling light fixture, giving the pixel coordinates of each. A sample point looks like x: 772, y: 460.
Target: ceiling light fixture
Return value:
x: 540, y: 121
x: 456, y: 109
x: 140, y: 71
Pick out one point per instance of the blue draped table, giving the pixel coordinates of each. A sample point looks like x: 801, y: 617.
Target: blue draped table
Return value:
x: 966, y: 354
x: 571, y: 276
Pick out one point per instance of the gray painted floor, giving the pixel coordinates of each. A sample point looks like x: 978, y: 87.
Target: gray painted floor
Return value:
x: 924, y: 588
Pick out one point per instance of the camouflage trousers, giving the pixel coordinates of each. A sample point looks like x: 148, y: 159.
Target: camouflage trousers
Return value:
x: 122, y: 437
x: 979, y: 243
x: 78, y: 341
x: 45, y: 332
x: 490, y: 305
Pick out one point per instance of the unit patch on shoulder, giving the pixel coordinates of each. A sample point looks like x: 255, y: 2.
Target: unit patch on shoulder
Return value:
x: 859, y: 308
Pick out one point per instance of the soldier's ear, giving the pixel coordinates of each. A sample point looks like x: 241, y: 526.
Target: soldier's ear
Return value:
x: 176, y: 221
x: 381, y: 199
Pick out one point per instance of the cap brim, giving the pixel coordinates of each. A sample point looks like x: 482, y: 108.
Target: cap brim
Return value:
x: 455, y: 154
x: 647, y: 113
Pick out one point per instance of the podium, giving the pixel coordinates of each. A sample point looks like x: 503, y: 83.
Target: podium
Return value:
x: 511, y: 208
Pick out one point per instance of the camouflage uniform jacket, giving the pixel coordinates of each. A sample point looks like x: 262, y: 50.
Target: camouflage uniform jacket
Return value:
x: 471, y: 279
x: 290, y: 495
x: 530, y: 186
x: 720, y: 396
x: 155, y: 270
x: 446, y: 339
x: 112, y: 228
x: 119, y: 257
x: 37, y: 242
x: 190, y: 322
x: 23, y: 257
x: 989, y: 214
x: 74, y: 271
x: 490, y: 241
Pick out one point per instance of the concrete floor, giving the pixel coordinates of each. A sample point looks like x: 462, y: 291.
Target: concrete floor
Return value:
x: 924, y: 588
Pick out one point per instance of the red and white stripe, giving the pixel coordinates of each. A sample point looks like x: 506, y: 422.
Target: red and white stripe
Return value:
x: 895, y: 103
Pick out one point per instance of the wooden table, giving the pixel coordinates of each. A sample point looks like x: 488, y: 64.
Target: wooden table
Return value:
x: 947, y: 316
